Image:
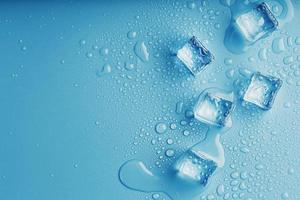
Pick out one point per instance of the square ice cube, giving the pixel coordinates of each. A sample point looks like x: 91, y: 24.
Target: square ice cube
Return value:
x: 257, y: 23
x: 194, y: 168
x: 214, y: 108
x: 262, y: 90
x: 194, y: 56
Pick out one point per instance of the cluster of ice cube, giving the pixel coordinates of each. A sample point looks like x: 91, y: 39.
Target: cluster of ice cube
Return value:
x: 254, y: 23
x: 215, y: 107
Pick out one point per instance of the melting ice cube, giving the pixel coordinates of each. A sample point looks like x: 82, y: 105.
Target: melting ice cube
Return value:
x: 192, y: 167
x: 257, y: 23
x: 262, y: 90
x: 194, y: 55
x: 214, y: 108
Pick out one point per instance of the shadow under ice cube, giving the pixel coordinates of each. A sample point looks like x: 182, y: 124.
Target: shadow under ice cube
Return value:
x: 192, y: 167
x: 194, y: 56
x: 262, y: 90
x: 257, y: 23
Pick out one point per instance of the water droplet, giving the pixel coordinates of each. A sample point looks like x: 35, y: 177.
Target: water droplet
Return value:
x: 189, y: 114
x: 179, y: 106
x: 106, y: 69
x: 173, y: 126
x: 23, y: 48
x: 186, y: 133
x: 244, y: 150
x: 155, y: 196
x: 297, y: 40
x: 291, y: 171
x: 220, y: 190
x: 234, y: 175
x: 131, y: 34
x: 228, y: 61
x: 278, y: 45
x: 170, y: 141
x: 141, y: 51
x: 160, y: 128
x: 129, y: 66
x: 288, y: 60
x: 191, y: 5
x: 170, y: 153
x: 287, y: 104
x: 82, y: 42
x: 104, y: 51
x: 230, y: 73
x: 227, y: 3
x: 285, y: 195
x: 259, y: 166
x: 262, y: 54
x: 89, y: 54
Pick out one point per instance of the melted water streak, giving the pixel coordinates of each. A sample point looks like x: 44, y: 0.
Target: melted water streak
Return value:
x: 136, y: 176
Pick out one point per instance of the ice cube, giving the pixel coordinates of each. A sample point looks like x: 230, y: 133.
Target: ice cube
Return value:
x: 192, y: 167
x: 262, y: 90
x: 214, y: 108
x: 194, y: 56
x: 257, y: 23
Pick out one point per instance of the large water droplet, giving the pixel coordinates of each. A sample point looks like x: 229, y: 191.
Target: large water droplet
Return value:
x: 141, y: 51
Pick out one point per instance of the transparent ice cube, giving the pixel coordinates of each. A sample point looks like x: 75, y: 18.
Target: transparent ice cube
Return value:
x: 194, y: 168
x: 194, y: 56
x: 214, y: 108
x: 262, y: 90
x: 257, y: 23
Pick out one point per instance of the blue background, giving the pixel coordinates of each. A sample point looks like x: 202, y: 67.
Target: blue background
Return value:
x: 66, y: 128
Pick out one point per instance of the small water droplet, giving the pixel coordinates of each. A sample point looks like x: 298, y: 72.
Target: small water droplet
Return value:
x: 129, y: 66
x: 191, y: 5
x: 82, y: 42
x: 220, y: 190
x: 131, y: 34
x: 23, y: 48
x: 104, y: 51
x: 160, y: 128
x: 170, y: 153
x: 285, y: 195
x: 89, y: 54
x: 259, y: 166
x: 186, y: 133
x: 228, y: 61
x: 173, y: 126
x: 155, y: 196
x: 106, y: 69
x: 288, y: 60
x: 170, y: 141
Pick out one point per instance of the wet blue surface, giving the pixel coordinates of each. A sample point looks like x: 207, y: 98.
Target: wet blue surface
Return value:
x: 84, y: 84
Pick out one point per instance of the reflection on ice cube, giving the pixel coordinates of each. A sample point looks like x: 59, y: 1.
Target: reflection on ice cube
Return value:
x: 261, y: 90
x: 214, y: 108
x: 192, y: 167
x: 194, y: 56
x: 257, y: 23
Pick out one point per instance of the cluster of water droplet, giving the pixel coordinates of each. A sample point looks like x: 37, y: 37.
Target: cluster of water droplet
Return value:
x: 145, y: 73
